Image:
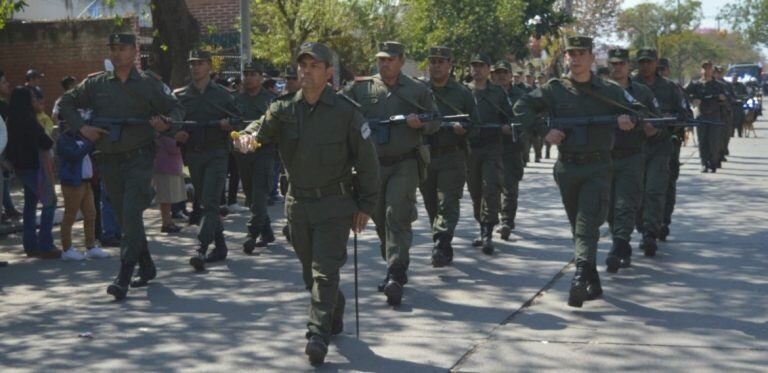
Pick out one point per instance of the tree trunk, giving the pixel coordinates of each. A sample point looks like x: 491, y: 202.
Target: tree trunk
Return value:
x: 176, y: 33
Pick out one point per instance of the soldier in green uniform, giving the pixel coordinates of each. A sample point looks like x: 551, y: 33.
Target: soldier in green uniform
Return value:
x: 708, y: 95
x: 628, y: 165
x: 583, y: 171
x: 402, y: 163
x: 730, y: 107
x: 485, y: 164
x: 205, y: 148
x: 321, y: 136
x: 658, y: 150
x: 511, y: 154
x: 257, y: 168
x: 446, y: 174
x: 740, y: 95
x: 126, y: 163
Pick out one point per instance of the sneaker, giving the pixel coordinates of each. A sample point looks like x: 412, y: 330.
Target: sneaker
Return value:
x: 72, y: 254
x: 235, y: 207
x: 96, y: 253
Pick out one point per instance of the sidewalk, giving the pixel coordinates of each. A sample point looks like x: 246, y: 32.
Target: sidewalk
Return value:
x: 700, y: 304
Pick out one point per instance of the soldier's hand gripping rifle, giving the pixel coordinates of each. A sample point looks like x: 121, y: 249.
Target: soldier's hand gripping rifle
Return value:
x: 115, y: 125
x: 381, y: 126
x: 576, y: 126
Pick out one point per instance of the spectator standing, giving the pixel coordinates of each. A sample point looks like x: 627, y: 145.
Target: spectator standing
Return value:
x: 168, y: 180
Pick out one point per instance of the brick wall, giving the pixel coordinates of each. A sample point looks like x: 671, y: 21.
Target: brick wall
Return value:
x: 57, y: 48
x: 221, y: 14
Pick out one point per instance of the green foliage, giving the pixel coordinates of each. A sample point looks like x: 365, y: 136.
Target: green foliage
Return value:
x: 645, y: 23
x: 749, y: 17
x: 8, y: 8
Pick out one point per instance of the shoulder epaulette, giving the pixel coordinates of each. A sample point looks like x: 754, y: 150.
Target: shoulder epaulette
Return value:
x: 349, y: 99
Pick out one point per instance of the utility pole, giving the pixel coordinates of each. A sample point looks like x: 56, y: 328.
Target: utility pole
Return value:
x: 245, y: 33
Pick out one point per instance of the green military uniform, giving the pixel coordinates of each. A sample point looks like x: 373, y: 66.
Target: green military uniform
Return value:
x: 126, y: 165
x: 740, y: 95
x: 446, y: 173
x: 399, y: 159
x: 512, y: 153
x: 256, y: 170
x: 319, y: 144
x: 628, y: 175
x: 733, y: 107
x: 206, y: 153
x: 658, y: 151
x: 583, y: 172
x: 674, y: 168
x: 711, y: 108
x: 484, y: 166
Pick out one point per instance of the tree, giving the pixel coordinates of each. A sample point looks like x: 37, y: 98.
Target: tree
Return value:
x: 176, y: 33
x: 644, y: 23
x: 8, y: 8
x: 595, y: 17
x: 748, y: 17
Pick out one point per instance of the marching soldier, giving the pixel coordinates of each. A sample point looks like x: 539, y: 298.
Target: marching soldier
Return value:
x: 402, y: 161
x: 256, y: 168
x: 126, y: 163
x: 484, y: 166
x: 731, y: 115
x: 205, y: 147
x: 628, y: 166
x: 708, y: 95
x: 321, y: 136
x: 511, y: 156
x: 446, y: 174
x: 583, y: 170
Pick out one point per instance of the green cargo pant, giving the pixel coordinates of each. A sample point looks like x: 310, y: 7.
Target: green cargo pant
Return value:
x: 483, y: 181
x: 585, y: 191
x: 674, y: 174
x: 709, y: 141
x: 128, y: 182
x: 442, y: 191
x: 319, y: 234
x: 257, y: 174
x: 626, y: 195
x: 396, y: 210
x: 655, y: 185
x: 208, y: 171
x: 513, y: 169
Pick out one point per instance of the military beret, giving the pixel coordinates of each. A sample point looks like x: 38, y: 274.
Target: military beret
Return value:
x: 391, y: 49
x: 198, y: 55
x: 618, y: 55
x: 481, y: 58
x: 578, y: 42
x: 646, y: 54
x: 128, y: 39
x: 439, y: 52
x: 318, y: 51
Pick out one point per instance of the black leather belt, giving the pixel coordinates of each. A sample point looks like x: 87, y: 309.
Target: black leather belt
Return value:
x: 393, y: 160
x: 619, y: 153
x: 442, y: 150
x: 320, y: 192
x: 584, y: 158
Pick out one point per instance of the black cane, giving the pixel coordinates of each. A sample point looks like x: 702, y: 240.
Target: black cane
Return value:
x: 357, y: 307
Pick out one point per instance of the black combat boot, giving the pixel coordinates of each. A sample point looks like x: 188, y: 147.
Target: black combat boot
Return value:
x: 594, y: 288
x: 663, y: 232
x: 249, y: 246
x: 267, y: 235
x: 316, y: 350
x: 219, y: 251
x: 394, y: 288
x: 440, y: 256
x: 613, y: 258
x: 649, y: 245
x: 578, y: 292
x: 479, y: 240
x: 337, y: 323
x: 146, y: 272
x: 119, y: 287
x: 446, y: 240
x: 198, y: 261
x: 625, y: 255
x: 487, y: 239
x: 506, y: 230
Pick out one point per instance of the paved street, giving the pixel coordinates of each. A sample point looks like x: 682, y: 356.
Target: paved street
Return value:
x: 700, y: 304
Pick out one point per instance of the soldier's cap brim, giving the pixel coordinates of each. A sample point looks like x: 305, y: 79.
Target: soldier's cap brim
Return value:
x: 618, y: 59
x: 645, y: 58
x: 386, y: 54
x: 314, y: 55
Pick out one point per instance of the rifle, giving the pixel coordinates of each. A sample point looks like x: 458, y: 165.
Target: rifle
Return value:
x: 576, y: 125
x: 115, y: 125
x: 195, y: 129
x: 381, y: 126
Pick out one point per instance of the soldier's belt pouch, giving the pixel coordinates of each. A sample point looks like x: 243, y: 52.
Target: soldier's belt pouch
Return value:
x: 576, y: 158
